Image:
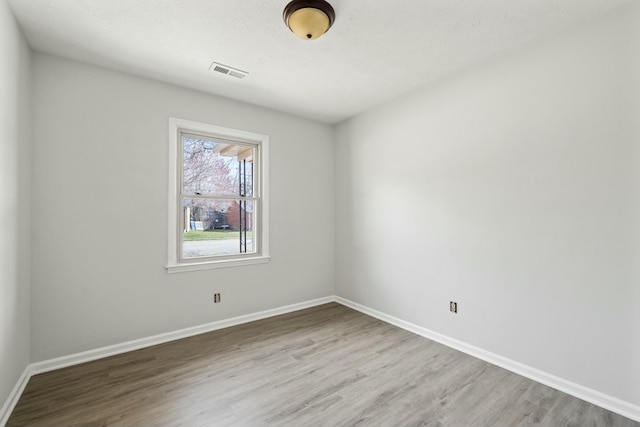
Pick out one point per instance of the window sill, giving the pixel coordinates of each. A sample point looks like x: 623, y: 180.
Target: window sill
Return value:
x: 195, y: 266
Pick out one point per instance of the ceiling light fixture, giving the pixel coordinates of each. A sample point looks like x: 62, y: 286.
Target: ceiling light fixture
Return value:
x: 309, y: 19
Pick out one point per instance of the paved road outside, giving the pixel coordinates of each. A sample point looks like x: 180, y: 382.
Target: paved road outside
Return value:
x: 203, y: 248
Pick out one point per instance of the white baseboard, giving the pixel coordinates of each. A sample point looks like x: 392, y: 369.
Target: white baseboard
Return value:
x: 605, y: 401
x: 14, y: 396
x: 593, y: 396
x: 99, y: 353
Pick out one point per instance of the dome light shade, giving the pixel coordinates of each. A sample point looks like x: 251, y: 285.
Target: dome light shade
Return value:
x: 309, y: 19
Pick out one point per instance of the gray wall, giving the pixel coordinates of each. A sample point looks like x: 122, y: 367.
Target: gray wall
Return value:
x: 100, y: 173
x: 512, y: 189
x: 15, y: 171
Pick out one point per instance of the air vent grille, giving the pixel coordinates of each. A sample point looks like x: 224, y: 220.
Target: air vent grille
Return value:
x: 230, y: 71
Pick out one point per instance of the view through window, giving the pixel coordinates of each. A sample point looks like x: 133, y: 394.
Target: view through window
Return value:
x: 220, y: 197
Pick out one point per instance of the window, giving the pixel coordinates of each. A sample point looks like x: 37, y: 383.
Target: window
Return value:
x: 218, y: 207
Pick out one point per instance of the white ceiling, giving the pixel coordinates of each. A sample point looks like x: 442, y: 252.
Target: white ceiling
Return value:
x: 376, y: 50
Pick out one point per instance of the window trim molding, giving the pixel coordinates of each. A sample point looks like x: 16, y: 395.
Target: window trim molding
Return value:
x: 176, y: 125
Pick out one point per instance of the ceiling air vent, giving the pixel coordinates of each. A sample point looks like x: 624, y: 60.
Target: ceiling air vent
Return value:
x: 229, y: 71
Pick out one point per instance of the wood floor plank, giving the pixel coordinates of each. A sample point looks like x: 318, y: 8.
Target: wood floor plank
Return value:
x: 324, y: 366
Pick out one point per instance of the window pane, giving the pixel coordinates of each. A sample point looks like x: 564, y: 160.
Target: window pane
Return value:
x: 217, y: 227
x: 212, y: 167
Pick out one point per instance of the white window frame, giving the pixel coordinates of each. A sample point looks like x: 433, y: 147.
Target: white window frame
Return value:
x: 175, y: 224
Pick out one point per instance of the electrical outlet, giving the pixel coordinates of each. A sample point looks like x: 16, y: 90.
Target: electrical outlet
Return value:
x: 453, y: 306
x: 216, y: 297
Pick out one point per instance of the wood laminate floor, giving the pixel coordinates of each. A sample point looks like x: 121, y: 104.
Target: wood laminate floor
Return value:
x: 324, y: 366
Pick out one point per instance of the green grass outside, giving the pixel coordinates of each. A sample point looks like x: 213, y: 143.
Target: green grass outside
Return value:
x: 212, y: 235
